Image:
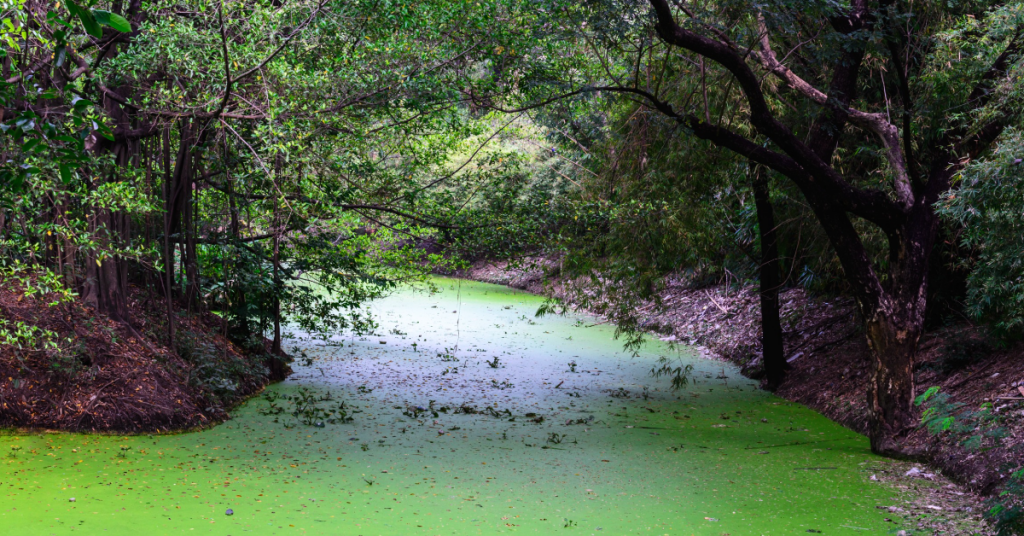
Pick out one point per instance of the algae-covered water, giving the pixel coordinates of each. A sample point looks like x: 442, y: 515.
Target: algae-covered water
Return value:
x: 617, y: 451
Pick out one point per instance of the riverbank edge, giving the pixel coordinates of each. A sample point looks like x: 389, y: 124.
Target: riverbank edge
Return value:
x: 828, y: 359
x: 123, y: 378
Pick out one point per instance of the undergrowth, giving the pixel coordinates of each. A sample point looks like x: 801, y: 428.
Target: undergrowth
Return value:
x: 978, y: 430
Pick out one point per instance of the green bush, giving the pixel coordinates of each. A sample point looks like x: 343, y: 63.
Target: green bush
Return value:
x: 989, y: 210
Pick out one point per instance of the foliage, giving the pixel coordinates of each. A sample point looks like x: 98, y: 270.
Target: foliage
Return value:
x: 988, y: 208
x: 216, y: 371
x: 681, y: 374
x: 25, y: 339
x: 44, y: 144
x: 241, y: 158
x: 974, y: 430
x: 306, y: 408
x: 1006, y: 509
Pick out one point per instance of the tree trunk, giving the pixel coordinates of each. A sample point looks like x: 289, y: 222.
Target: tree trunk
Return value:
x: 893, y: 338
x: 894, y: 327
x: 189, y: 226
x: 168, y: 250
x: 772, y: 351
x: 181, y: 212
x: 103, y: 288
x: 106, y: 273
x: 276, y: 347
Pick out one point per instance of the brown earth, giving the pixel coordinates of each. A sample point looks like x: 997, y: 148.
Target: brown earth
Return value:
x: 830, y: 367
x: 107, y: 376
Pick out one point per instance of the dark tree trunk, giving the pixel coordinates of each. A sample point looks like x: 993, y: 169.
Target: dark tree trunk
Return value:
x: 893, y: 336
x: 106, y: 273
x: 772, y: 352
x: 189, y: 225
x: 894, y: 325
x: 168, y: 250
x: 181, y: 212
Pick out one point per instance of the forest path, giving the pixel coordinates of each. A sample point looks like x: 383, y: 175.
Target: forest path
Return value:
x: 617, y: 451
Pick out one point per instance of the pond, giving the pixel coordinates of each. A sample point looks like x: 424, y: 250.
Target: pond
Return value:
x: 470, y: 416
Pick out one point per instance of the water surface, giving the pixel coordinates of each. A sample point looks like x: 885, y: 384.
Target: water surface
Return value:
x: 617, y: 451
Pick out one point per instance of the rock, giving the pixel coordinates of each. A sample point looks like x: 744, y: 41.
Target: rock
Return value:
x: 71, y: 499
x: 229, y: 512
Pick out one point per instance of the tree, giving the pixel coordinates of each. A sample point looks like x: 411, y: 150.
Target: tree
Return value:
x: 237, y: 157
x: 772, y: 351
x: 858, y: 93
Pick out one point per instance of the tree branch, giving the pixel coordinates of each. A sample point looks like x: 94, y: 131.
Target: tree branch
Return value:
x: 873, y: 122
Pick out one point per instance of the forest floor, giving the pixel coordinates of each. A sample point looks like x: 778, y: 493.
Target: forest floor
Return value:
x: 830, y: 367
x: 64, y: 367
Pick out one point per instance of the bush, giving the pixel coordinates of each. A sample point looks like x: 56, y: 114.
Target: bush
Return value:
x: 988, y: 209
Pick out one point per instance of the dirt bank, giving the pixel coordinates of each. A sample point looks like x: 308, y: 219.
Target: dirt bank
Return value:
x: 63, y: 367
x: 830, y: 367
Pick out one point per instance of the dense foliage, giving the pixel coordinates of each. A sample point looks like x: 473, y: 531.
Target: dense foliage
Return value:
x: 282, y: 163
x: 989, y: 211
x: 242, y: 157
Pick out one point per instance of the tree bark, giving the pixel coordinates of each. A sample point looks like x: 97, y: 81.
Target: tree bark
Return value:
x: 772, y: 351
x: 168, y: 250
x: 181, y: 212
x: 894, y: 325
x: 893, y: 338
x: 106, y: 273
x: 276, y: 347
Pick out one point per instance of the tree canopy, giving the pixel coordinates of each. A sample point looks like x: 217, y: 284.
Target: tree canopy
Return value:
x: 282, y: 163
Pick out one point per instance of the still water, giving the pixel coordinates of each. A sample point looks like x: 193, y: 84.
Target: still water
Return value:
x: 579, y: 438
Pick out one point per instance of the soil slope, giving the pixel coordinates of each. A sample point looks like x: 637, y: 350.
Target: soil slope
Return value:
x: 64, y: 367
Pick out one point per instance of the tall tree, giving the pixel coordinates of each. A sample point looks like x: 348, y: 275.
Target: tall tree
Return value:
x: 854, y: 101
x: 770, y: 280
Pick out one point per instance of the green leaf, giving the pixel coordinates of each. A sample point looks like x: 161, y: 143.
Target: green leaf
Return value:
x: 926, y: 395
x: 65, y: 173
x: 29, y: 145
x: 80, y: 104
x: 87, y: 18
x: 113, y: 20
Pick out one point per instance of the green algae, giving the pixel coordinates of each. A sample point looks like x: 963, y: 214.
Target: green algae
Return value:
x: 617, y: 451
